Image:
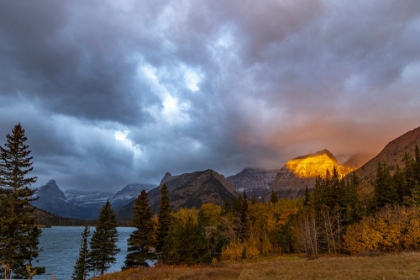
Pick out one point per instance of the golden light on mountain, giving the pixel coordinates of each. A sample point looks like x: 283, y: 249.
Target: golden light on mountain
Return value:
x: 317, y: 164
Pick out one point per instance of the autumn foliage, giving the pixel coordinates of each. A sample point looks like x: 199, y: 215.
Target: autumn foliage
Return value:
x: 390, y: 230
x: 338, y: 216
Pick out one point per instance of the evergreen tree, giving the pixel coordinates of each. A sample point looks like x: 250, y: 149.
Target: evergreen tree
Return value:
x: 237, y: 205
x: 353, y: 209
x: 385, y: 191
x: 254, y: 199
x: 306, y: 201
x: 244, y: 217
x: 18, y: 234
x: 409, y: 173
x: 102, y: 244
x: 29, y: 253
x: 81, y: 269
x: 318, y: 194
x: 417, y: 164
x: 140, y: 241
x: 274, y: 197
x: 164, y: 220
x: 402, y: 188
x: 186, y: 243
x: 226, y: 207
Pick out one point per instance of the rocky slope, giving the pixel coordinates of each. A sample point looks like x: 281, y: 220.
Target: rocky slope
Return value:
x: 188, y: 190
x: 357, y: 160
x: 253, y: 181
x: 128, y: 194
x: 392, y: 154
x: 292, y: 179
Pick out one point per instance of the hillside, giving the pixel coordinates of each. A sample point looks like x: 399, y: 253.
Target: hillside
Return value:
x: 47, y: 219
x: 128, y: 194
x: 392, y: 154
x: 188, y: 190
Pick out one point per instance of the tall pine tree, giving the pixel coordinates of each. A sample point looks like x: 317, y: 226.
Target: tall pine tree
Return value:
x: 274, y: 198
x: 140, y: 242
x: 102, y: 245
x: 164, y: 221
x: 186, y: 243
x: 19, y: 237
x: 244, y: 217
x: 28, y: 255
x: 385, y: 190
x: 81, y: 269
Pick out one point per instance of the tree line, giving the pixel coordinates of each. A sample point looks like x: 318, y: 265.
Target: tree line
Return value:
x: 347, y: 216
x: 340, y: 216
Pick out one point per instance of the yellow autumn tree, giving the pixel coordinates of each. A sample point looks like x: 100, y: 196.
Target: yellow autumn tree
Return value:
x: 390, y: 230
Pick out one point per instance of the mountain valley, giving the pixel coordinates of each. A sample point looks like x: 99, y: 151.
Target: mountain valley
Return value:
x: 83, y: 205
x: 190, y: 190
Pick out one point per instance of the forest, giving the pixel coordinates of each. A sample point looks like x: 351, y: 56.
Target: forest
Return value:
x: 340, y: 216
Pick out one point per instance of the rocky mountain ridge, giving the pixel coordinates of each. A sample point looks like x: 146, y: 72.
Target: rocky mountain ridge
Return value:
x: 253, y: 181
x: 83, y: 205
x: 128, y: 194
x: 301, y: 172
x: 392, y: 154
x: 193, y: 189
x: 88, y: 199
x: 52, y: 199
x: 189, y: 190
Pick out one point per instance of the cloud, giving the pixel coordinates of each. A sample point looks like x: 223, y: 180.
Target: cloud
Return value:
x: 114, y: 93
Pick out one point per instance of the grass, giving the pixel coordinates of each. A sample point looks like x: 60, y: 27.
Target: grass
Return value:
x: 388, y: 266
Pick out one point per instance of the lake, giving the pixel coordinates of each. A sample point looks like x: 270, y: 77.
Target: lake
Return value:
x: 61, y: 249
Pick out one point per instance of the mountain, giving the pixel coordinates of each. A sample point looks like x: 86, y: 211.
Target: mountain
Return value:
x: 128, y: 194
x: 80, y: 204
x: 296, y: 174
x: 188, y: 190
x: 88, y: 200
x: 392, y: 154
x: 91, y: 201
x: 52, y: 199
x: 357, y: 160
x: 253, y: 181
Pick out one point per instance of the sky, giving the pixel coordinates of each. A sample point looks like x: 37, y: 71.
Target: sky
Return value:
x: 119, y: 92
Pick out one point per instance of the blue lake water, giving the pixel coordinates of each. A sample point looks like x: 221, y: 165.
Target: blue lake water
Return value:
x: 61, y: 249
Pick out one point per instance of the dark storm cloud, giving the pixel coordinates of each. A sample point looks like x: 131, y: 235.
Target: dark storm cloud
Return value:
x: 114, y: 92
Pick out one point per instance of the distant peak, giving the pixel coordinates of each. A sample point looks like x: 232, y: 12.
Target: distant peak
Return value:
x: 51, y: 189
x: 166, y: 178
x: 325, y: 152
x: 318, y: 153
x: 316, y: 164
